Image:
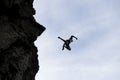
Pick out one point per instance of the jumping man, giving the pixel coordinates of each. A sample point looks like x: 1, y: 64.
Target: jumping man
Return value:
x: 67, y: 42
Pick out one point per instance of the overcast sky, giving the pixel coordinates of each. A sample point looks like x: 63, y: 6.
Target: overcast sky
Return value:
x: 96, y: 53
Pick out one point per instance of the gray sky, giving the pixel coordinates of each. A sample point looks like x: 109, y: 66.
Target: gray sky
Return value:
x: 96, y: 53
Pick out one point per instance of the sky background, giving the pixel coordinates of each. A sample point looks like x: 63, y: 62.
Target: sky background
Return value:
x: 96, y: 53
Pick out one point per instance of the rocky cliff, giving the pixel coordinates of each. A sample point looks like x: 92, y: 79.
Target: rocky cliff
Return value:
x: 18, y: 31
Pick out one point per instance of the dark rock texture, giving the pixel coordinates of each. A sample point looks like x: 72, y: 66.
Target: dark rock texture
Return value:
x: 18, y: 31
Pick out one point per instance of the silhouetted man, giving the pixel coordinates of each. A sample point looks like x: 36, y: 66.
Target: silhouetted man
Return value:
x: 67, y: 42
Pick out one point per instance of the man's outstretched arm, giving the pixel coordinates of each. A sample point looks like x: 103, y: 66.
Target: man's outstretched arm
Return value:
x: 74, y: 37
x: 61, y: 39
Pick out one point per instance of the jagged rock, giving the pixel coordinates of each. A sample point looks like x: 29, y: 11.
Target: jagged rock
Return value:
x: 18, y: 31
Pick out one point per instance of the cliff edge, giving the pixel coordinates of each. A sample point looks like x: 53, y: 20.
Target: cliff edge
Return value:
x: 18, y: 31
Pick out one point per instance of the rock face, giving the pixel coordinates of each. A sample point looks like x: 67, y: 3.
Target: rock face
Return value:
x: 18, y: 31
